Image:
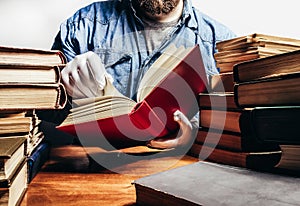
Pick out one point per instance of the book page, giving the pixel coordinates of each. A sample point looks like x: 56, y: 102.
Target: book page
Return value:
x: 290, y: 158
x: 157, y: 72
x: 100, y: 108
x: 111, y: 104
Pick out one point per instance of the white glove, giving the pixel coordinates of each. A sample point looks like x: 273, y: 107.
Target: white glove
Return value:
x: 188, y: 129
x: 84, y: 76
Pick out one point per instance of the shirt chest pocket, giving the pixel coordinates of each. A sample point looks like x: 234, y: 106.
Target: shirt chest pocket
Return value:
x: 119, y: 65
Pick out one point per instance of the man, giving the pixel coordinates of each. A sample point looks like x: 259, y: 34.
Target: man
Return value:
x: 128, y: 36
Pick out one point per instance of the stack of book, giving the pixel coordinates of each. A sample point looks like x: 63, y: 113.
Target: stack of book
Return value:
x: 252, y: 46
x: 271, y: 86
x: 246, y: 48
x: 233, y: 114
x: 29, y: 81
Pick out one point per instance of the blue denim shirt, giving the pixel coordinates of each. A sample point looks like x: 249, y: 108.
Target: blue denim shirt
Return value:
x: 113, y: 30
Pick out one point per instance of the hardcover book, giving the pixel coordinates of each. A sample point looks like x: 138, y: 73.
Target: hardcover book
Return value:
x: 290, y: 158
x: 14, y: 188
x: 263, y: 40
x: 221, y: 119
x: 270, y: 67
x: 205, y: 183
x: 262, y: 160
x: 222, y: 82
x: 37, y: 159
x: 279, y: 125
x: 19, y: 55
x: 221, y: 101
x: 32, y: 96
x: 281, y: 91
x: 251, y: 47
x: 172, y: 83
x: 233, y: 141
x: 14, y: 122
x: 29, y: 73
x: 12, y: 152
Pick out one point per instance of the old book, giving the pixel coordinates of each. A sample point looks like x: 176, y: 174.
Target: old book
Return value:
x: 37, y: 159
x: 13, y: 189
x: 18, y: 55
x: 250, y: 47
x: 244, y: 54
x: 35, y: 137
x: 244, y: 41
x: 12, y: 152
x: 32, y: 96
x: 29, y: 73
x: 205, y: 183
x: 281, y: 91
x: 17, y: 122
x: 233, y: 141
x: 270, y: 67
x: 272, y: 124
x: 266, y: 124
x: 220, y: 119
x: 290, y: 158
x: 221, y: 101
x: 222, y: 82
x: 14, y: 122
x: 172, y: 83
x: 255, y: 160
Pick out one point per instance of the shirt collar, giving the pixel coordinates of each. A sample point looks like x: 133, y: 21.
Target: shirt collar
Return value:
x: 188, y: 15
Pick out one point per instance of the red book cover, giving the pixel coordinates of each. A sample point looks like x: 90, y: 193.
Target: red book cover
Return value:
x: 153, y: 115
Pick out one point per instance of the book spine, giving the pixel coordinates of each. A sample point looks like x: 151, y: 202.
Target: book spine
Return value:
x: 236, y: 74
x: 57, y: 74
x: 61, y: 97
x: 37, y: 159
x: 236, y: 95
x: 218, y: 155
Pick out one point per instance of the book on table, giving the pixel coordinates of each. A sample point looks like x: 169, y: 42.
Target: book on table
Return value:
x: 205, y: 183
x: 259, y: 160
x: 172, y: 83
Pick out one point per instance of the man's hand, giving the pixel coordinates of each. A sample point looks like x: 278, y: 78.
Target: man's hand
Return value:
x: 188, y: 129
x: 84, y: 76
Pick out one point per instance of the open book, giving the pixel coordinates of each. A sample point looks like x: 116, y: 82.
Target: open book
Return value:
x: 172, y: 83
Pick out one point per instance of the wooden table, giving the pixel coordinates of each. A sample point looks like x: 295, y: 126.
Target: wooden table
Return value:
x: 68, y: 178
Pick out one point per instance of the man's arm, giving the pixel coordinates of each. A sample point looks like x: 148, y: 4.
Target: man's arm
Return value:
x: 187, y: 133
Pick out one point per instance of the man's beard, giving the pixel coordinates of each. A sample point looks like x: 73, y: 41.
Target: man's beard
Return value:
x: 156, y: 7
